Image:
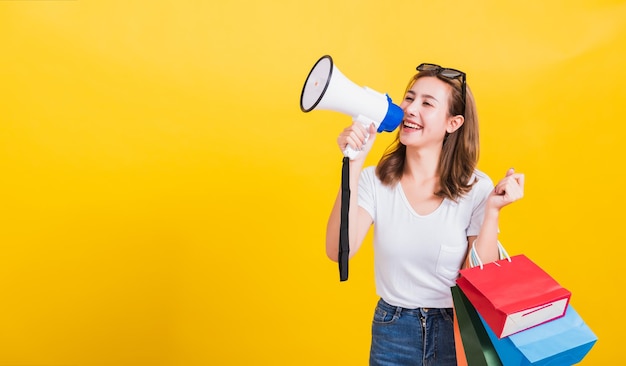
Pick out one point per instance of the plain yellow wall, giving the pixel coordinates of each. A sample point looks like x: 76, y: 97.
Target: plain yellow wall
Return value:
x: 164, y: 199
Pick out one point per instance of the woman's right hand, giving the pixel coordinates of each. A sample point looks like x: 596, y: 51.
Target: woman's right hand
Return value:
x: 508, y: 190
x: 355, y: 136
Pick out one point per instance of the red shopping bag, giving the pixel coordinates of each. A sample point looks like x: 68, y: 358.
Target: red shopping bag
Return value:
x: 513, y: 294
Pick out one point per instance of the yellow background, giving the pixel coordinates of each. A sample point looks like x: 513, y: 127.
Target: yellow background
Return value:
x: 164, y: 199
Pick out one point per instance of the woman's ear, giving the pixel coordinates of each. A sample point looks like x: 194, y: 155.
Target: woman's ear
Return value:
x: 454, y: 123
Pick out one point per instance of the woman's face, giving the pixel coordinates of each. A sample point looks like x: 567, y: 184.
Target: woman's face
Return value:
x: 426, y: 118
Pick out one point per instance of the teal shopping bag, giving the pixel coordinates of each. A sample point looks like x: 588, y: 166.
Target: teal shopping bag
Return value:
x: 479, y: 350
x: 560, y: 342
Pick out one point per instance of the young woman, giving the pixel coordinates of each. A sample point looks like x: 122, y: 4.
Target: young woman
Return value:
x: 428, y: 204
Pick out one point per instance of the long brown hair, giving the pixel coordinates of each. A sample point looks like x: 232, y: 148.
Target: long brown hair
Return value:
x: 459, y: 153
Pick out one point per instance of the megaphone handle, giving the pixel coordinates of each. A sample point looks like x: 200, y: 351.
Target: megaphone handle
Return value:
x: 351, y: 153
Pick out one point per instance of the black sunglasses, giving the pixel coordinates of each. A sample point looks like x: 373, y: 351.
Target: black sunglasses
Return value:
x: 447, y: 73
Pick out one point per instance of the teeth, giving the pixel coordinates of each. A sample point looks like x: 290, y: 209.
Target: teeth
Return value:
x: 411, y: 125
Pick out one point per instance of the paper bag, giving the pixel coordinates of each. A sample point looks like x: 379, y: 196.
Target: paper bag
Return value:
x: 477, y: 346
x: 564, y: 341
x: 461, y: 360
x: 513, y: 294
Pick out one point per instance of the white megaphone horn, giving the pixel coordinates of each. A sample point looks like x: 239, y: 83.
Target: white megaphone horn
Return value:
x: 328, y: 89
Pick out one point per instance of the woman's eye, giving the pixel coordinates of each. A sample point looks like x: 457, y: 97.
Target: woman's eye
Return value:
x: 426, y: 103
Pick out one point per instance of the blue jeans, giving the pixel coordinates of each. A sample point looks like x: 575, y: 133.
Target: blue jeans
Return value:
x: 412, y: 337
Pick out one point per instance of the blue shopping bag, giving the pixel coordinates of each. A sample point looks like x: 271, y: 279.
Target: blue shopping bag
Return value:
x: 563, y: 341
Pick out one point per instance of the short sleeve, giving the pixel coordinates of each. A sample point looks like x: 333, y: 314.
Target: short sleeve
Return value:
x: 367, y: 191
x: 480, y: 192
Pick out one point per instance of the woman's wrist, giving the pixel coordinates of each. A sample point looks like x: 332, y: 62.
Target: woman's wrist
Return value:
x: 492, y: 212
x: 357, y: 163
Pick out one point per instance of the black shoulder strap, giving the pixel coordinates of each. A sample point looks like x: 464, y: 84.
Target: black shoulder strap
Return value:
x: 344, y: 243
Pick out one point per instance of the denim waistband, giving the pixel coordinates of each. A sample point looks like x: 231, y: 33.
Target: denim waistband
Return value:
x: 417, y: 311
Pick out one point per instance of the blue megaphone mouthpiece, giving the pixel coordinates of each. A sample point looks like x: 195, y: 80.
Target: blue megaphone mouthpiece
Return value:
x: 392, y: 119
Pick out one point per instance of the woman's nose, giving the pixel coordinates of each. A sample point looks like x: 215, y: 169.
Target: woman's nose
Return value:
x: 411, y: 109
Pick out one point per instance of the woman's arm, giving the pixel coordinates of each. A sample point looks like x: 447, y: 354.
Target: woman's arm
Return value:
x: 508, y: 190
x: 359, y: 224
x: 358, y: 218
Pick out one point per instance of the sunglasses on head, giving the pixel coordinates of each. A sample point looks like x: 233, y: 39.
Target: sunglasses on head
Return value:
x: 447, y: 73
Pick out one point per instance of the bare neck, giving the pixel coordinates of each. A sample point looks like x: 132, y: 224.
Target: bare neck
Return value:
x: 421, y: 165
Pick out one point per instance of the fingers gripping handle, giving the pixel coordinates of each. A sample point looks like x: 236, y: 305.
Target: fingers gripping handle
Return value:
x: 351, y: 152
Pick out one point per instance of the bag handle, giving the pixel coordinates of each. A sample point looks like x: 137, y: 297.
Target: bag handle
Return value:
x: 474, y: 259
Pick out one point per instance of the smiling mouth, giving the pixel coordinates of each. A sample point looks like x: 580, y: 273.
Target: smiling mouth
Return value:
x: 411, y: 125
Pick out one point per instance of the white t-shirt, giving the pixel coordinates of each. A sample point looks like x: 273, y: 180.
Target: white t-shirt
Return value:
x: 417, y: 258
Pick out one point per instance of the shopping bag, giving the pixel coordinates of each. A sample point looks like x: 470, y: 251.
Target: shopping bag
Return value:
x: 513, y: 294
x: 461, y: 360
x: 477, y: 346
x: 563, y: 341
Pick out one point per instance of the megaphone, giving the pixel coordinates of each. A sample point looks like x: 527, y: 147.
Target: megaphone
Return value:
x: 328, y: 89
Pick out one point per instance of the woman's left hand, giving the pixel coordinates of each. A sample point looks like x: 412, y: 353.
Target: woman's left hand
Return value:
x: 508, y: 190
